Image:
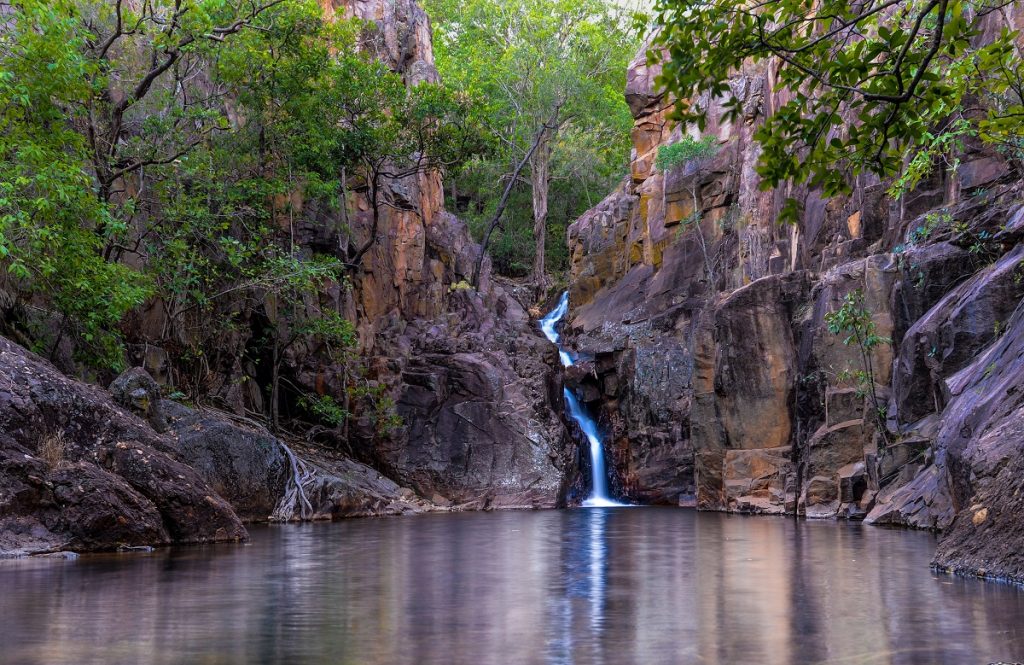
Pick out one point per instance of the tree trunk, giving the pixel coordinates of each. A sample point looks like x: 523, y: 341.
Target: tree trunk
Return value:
x: 356, y: 261
x: 539, y: 173
x: 542, y: 137
x: 275, y: 382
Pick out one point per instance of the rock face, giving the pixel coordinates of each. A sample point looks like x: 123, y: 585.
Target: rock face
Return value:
x: 469, y: 375
x: 708, y: 354
x: 981, y: 444
x: 79, y: 472
x: 473, y: 380
x: 477, y: 402
x: 467, y: 386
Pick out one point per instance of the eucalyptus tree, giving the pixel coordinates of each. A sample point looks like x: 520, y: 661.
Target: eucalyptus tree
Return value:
x: 550, y: 75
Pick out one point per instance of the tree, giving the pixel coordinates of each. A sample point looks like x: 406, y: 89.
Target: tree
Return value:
x: 854, y: 320
x: 550, y: 74
x: 403, y: 133
x: 871, y: 83
x: 74, y: 106
x: 694, y: 155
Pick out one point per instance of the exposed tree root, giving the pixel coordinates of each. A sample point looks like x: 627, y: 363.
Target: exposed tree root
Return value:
x: 294, y: 503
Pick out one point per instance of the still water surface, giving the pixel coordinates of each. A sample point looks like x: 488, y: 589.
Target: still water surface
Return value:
x: 625, y: 586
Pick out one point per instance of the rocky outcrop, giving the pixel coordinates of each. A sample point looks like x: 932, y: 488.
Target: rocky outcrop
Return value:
x: 707, y: 354
x: 460, y: 382
x: 469, y: 374
x: 981, y: 445
x: 243, y: 463
x: 253, y: 469
x: 80, y: 472
x: 478, y: 404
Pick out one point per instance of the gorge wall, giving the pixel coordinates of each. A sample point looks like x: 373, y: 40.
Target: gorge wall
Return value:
x: 473, y: 382
x: 715, y: 373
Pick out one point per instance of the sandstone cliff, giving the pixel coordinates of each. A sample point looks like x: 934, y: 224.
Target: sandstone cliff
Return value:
x: 712, y: 364
x: 471, y: 378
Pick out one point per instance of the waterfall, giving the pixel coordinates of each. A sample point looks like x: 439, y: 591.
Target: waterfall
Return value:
x: 599, y: 495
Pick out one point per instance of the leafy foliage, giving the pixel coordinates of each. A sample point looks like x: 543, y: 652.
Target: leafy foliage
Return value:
x: 549, y: 72
x: 872, y: 84
x: 693, y: 154
x: 53, y: 228
x: 157, y: 160
x: 685, y: 151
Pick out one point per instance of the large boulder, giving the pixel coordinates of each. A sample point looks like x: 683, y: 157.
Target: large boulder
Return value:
x: 48, y: 505
x: 242, y: 462
x: 89, y: 474
x: 254, y: 470
x: 139, y: 392
x: 478, y: 431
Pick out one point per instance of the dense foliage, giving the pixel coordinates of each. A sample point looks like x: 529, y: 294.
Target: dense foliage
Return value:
x: 886, y: 87
x: 550, y: 75
x: 154, y: 158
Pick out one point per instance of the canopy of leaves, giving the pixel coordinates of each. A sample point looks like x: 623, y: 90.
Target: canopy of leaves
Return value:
x: 869, y: 83
x: 532, y: 63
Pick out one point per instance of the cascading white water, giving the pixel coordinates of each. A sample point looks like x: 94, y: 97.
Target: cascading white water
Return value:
x: 599, y: 496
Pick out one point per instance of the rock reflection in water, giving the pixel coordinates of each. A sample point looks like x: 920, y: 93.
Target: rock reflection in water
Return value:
x: 580, y: 587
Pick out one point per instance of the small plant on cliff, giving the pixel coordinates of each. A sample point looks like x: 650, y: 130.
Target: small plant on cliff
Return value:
x: 382, y: 410
x: 53, y: 449
x: 854, y: 320
x: 932, y: 222
x: 685, y: 151
x: 325, y: 409
x: 693, y: 154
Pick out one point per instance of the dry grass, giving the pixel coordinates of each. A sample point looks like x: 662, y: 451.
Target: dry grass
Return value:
x: 53, y: 449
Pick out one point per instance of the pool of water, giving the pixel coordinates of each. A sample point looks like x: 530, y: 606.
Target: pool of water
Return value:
x: 612, y: 586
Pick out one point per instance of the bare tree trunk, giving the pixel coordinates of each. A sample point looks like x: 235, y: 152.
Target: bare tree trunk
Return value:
x: 356, y: 260
x: 540, y: 165
x: 496, y: 219
x: 538, y: 138
x: 345, y: 232
x: 275, y: 382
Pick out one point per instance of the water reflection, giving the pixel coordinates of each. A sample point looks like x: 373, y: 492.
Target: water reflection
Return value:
x: 559, y: 587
